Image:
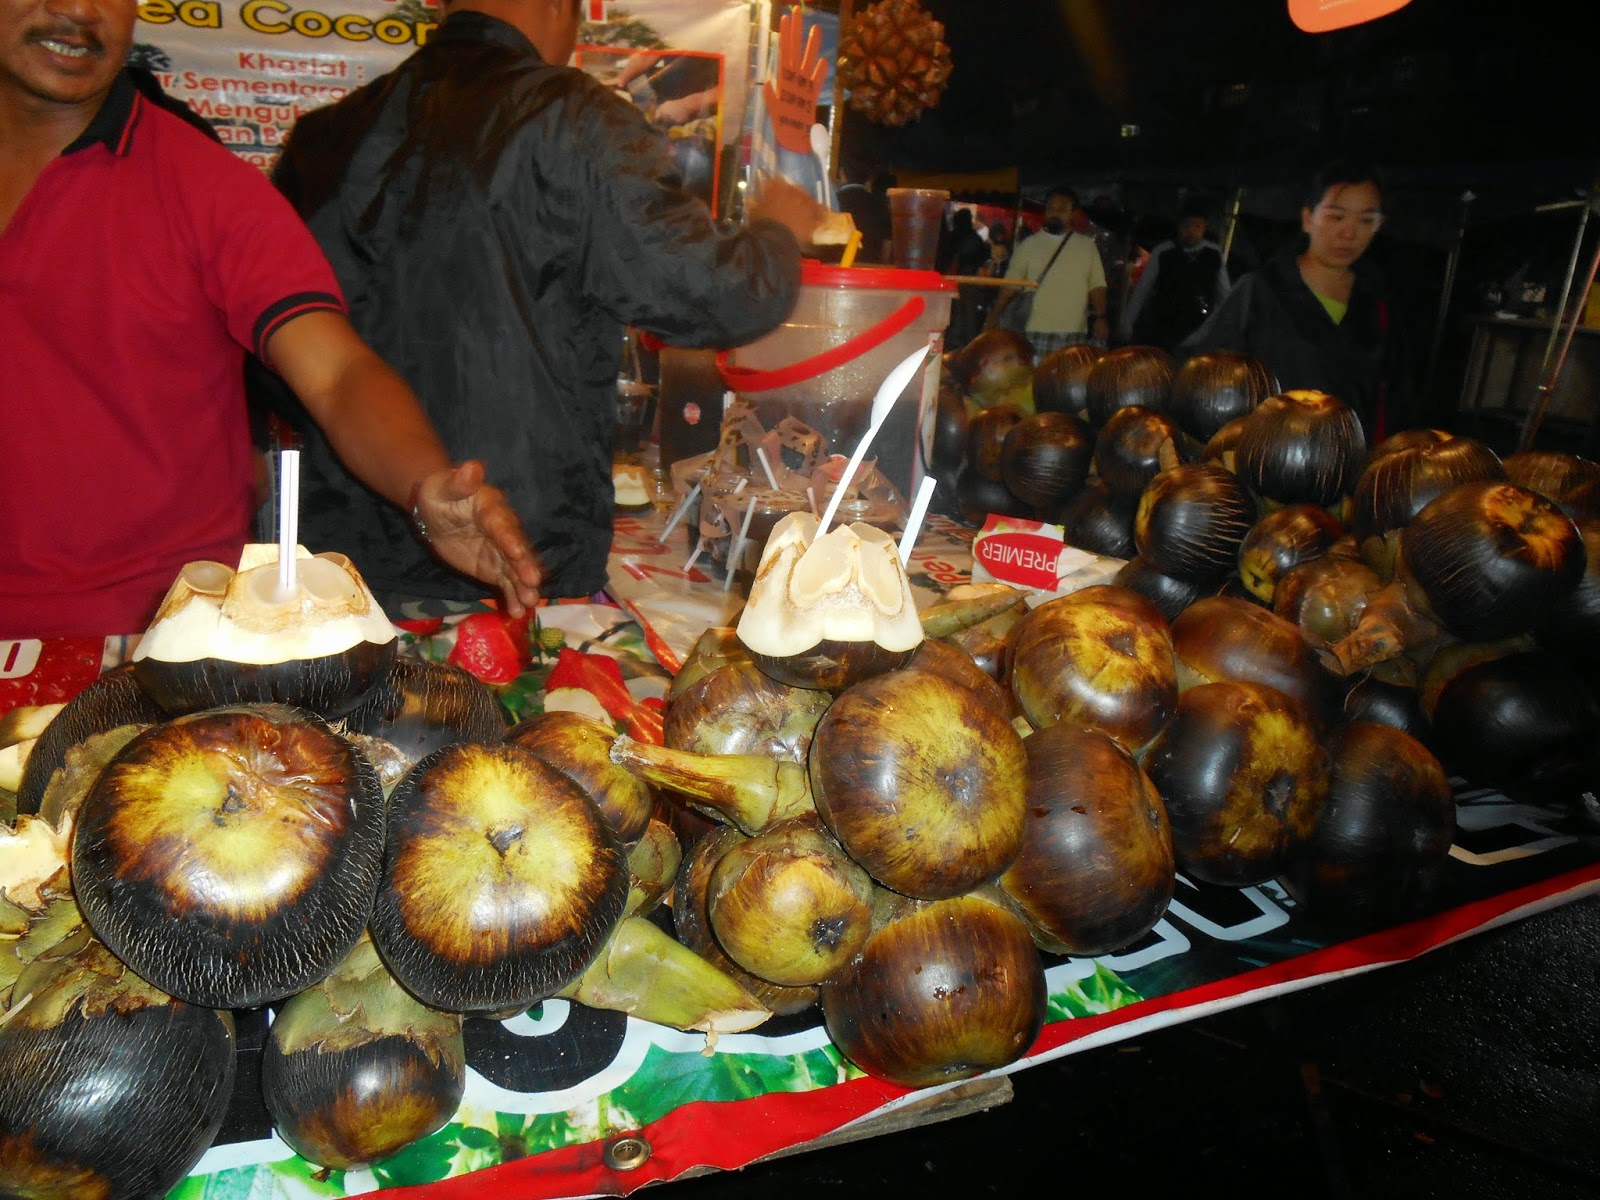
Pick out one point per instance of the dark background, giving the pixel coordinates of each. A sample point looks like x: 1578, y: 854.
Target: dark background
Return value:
x: 1233, y: 85
x: 1483, y: 116
x: 1471, y: 1073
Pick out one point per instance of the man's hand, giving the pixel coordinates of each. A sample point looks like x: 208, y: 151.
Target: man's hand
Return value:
x: 471, y: 528
x: 792, y: 96
x: 379, y: 431
x: 777, y: 199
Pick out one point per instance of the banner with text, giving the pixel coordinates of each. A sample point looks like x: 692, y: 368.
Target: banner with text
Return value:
x: 251, y: 67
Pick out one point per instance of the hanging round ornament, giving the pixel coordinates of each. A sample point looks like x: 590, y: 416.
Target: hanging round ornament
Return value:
x: 894, y: 61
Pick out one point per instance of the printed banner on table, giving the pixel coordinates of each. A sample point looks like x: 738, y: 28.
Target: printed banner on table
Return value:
x: 251, y: 67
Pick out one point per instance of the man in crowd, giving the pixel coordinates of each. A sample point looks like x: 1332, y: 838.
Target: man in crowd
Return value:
x: 964, y: 252
x: 868, y: 206
x: 139, y: 261
x: 1069, y: 305
x: 497, y: 218
x: 1183, y: 280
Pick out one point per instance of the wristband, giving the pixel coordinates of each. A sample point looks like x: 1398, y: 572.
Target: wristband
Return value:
x: 418, y: 525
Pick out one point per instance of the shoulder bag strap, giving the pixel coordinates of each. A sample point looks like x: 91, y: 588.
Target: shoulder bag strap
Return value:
x: 1055, y: 256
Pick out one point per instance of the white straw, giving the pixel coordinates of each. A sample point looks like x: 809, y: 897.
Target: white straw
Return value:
x: 699, y: 545
x: 741, y: 485
x: 679, y: 512
x: 738, y: 543
x: 811, y: 495
x: 767, y: 467
x: 288, y: 519
x: 919, y: 509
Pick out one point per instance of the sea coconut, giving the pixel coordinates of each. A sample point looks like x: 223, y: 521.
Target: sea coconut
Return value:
x: 942, y: 990
x: 1096, y: 870
x: 1096, y: 665
x: 1211, y: 389
x: 501, y: 880
x: 225, y: 636
x: 740, y: 709
x: 1129, y: 377
x: 922, y: 782
x: 1243, y: 775
x: 229, y: 856
x: 826, y: 612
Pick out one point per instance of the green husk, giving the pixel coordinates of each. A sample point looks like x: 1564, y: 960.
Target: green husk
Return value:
x: 747, y: 790
x: 952, y: 616
x: 643, y: 972
x: 652, y: 867
x: 81, y: 766
x: 359, y: 1003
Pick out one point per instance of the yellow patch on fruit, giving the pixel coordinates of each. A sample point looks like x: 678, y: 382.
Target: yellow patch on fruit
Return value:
x: 509, y: 853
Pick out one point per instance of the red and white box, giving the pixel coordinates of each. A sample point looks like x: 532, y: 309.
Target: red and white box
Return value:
x: 1034, y: 557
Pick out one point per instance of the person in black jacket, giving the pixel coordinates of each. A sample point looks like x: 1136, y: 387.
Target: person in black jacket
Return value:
x: 496, y: 219
x: 1319, y: 315
x: 1182, y: 282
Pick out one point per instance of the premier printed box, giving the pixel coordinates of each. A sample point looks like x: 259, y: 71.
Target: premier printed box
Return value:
x: 1034, y: 557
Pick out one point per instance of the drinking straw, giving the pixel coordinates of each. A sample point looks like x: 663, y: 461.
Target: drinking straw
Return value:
x: 288, y: 519
x: 738, y: 544
x: 852, y: 244
x: 679, y: 513
x: 700, y: 544
x: 919, y: 509
x: 811, y: 496
x: 888, y: 392
x: 761, y: 453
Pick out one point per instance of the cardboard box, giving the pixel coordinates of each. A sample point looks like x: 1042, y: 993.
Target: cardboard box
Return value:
x: 1034, y: 557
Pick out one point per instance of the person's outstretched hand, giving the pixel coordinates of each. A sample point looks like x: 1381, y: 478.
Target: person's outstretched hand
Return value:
x: 471, y: 528
x: 792, y: 95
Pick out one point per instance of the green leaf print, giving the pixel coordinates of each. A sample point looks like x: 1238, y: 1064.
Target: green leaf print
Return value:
x: 1097, y: 993
x: 427, y: 1161
x: 665, y: 1081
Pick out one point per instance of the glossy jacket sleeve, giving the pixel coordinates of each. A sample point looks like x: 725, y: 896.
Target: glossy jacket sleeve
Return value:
x: 655, y: 259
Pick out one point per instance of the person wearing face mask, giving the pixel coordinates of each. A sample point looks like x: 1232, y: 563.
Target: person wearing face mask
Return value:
x: 1319, y: 315
x: 1069, y: 305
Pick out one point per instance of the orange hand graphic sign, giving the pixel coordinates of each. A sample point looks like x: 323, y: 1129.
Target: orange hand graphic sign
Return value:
x: 792, y: 94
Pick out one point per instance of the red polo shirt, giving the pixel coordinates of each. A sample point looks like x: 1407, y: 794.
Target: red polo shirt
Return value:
x: 141, y: 266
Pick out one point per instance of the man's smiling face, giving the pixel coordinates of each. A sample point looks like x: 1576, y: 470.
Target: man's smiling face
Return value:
x: 64, y: 52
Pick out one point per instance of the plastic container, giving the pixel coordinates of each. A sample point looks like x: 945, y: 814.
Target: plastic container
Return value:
x: 916, y: 218
x: 849, y: 327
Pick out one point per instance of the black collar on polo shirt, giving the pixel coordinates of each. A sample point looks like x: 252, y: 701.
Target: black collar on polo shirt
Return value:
x: 114, y: 124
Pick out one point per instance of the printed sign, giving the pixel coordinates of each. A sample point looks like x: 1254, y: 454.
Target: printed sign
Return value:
x: 252, y: 67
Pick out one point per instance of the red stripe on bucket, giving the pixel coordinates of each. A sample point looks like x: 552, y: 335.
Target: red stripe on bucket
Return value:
x: 748, y: 379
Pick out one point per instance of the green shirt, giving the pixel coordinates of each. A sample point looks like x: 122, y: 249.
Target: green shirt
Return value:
x: 1336, y: 308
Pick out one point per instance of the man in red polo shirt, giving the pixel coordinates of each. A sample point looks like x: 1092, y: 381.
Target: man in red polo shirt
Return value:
x: 138, y: 262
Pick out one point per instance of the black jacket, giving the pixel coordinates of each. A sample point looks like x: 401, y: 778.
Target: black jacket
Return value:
x: 1273, y: 316
x: 1184, y: 290
x: 495, y: 222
